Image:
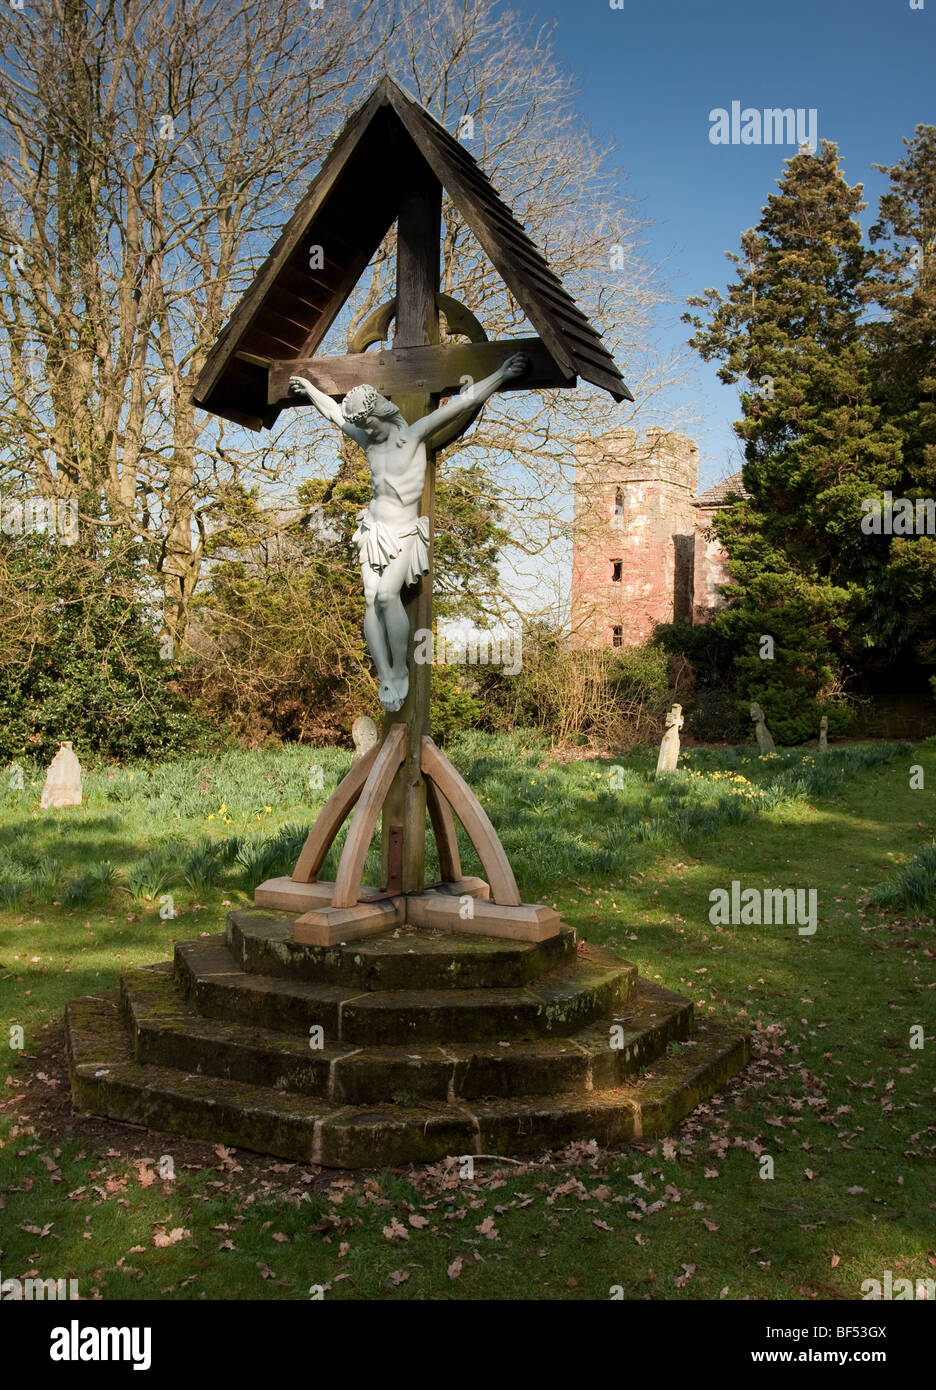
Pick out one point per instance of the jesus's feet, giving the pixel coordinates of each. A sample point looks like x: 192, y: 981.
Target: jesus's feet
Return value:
x: 393, y: 692
x: 401, y: 686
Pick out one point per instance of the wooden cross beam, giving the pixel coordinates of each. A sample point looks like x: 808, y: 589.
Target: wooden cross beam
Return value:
x: 435, y: 369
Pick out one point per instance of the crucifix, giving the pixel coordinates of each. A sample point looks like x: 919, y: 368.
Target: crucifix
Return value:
x: 401, y: 405
x: 394, y: 534
x: 392, y: 539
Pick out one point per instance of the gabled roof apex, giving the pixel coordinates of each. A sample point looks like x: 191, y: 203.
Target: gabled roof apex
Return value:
x: 288, y: 308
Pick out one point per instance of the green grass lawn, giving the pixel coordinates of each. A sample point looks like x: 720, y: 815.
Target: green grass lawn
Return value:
x: 836, y: 1097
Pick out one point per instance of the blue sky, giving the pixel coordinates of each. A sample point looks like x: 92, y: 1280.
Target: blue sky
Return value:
x: 650, y: 73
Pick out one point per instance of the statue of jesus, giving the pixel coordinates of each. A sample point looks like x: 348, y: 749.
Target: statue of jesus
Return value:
x: 392, y: 539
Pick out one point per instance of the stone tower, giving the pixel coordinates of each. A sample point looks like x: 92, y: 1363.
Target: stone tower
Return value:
x: 634, y: 536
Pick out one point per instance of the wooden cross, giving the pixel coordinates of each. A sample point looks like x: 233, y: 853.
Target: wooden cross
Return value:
x: 418, y: 379
x: 419, y: 230
x: 393, y: 160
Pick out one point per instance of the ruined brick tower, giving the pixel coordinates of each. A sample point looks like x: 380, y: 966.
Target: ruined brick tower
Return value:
x: 641, y: 555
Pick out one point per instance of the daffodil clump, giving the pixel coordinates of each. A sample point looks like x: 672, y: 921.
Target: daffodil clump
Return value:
x: 736, y: 783
x: 222, y: 814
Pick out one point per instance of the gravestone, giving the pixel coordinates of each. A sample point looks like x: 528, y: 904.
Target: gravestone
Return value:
x: 765, y: 743
x: 365, y: 735
x: 823, y: 735
x: 63, y: 780
x: 669, y: 748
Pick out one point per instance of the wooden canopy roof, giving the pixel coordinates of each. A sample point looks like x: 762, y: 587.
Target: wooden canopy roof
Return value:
x: 347, y: 211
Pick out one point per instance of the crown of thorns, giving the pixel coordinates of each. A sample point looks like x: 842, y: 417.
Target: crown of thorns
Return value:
x: 362, y: 401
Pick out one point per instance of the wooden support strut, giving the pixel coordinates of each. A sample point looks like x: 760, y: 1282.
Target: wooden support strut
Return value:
x: 474, y: 818
x: 443, y: 828
x: 331, y: 818
x: 389, y: 756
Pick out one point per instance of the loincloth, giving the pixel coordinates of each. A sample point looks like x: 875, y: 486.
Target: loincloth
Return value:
x: 378, y: 543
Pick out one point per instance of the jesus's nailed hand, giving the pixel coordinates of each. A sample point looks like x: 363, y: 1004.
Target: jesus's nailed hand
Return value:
x: 515, y: 366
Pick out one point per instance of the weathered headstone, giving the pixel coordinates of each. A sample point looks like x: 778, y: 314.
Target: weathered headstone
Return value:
x: 669, y: 748
x: 765, y: 743
x: 823, y: 735
x: 63, y: 780
x: 365, y: 735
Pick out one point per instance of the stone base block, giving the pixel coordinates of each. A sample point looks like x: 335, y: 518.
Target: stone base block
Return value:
x: 286, y: 895
x: 463, y: 887
x: 526, y: 922
x: 330, y: 926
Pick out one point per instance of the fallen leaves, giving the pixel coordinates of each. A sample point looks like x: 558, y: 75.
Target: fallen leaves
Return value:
x: 162, y: 1237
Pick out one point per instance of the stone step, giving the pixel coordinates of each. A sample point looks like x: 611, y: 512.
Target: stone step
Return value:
x: 408, y: 957
x: 107, y: 1079
x: 166, y: 1031
x: 577, y: 991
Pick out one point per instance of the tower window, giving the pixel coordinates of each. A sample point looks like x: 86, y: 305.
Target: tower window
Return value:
x: 617, y: 637
x: 616, y: 566
x: 619, y: 503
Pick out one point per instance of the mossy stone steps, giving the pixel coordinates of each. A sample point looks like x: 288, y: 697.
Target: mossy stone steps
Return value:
x: 570, y: 996
x: 166, y: 1031
x: 407, y: 958
x: 432, y: 1044
x: 107, y: 1079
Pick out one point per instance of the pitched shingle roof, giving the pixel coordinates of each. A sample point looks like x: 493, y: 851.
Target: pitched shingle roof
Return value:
x: 348, y: 209
x: 718, y: 495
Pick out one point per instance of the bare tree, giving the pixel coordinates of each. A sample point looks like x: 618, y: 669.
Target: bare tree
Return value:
x: 147, y: 151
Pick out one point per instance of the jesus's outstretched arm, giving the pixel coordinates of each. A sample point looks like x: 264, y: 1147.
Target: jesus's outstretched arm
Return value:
x: 473, y: 396
x: 303, y: 389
